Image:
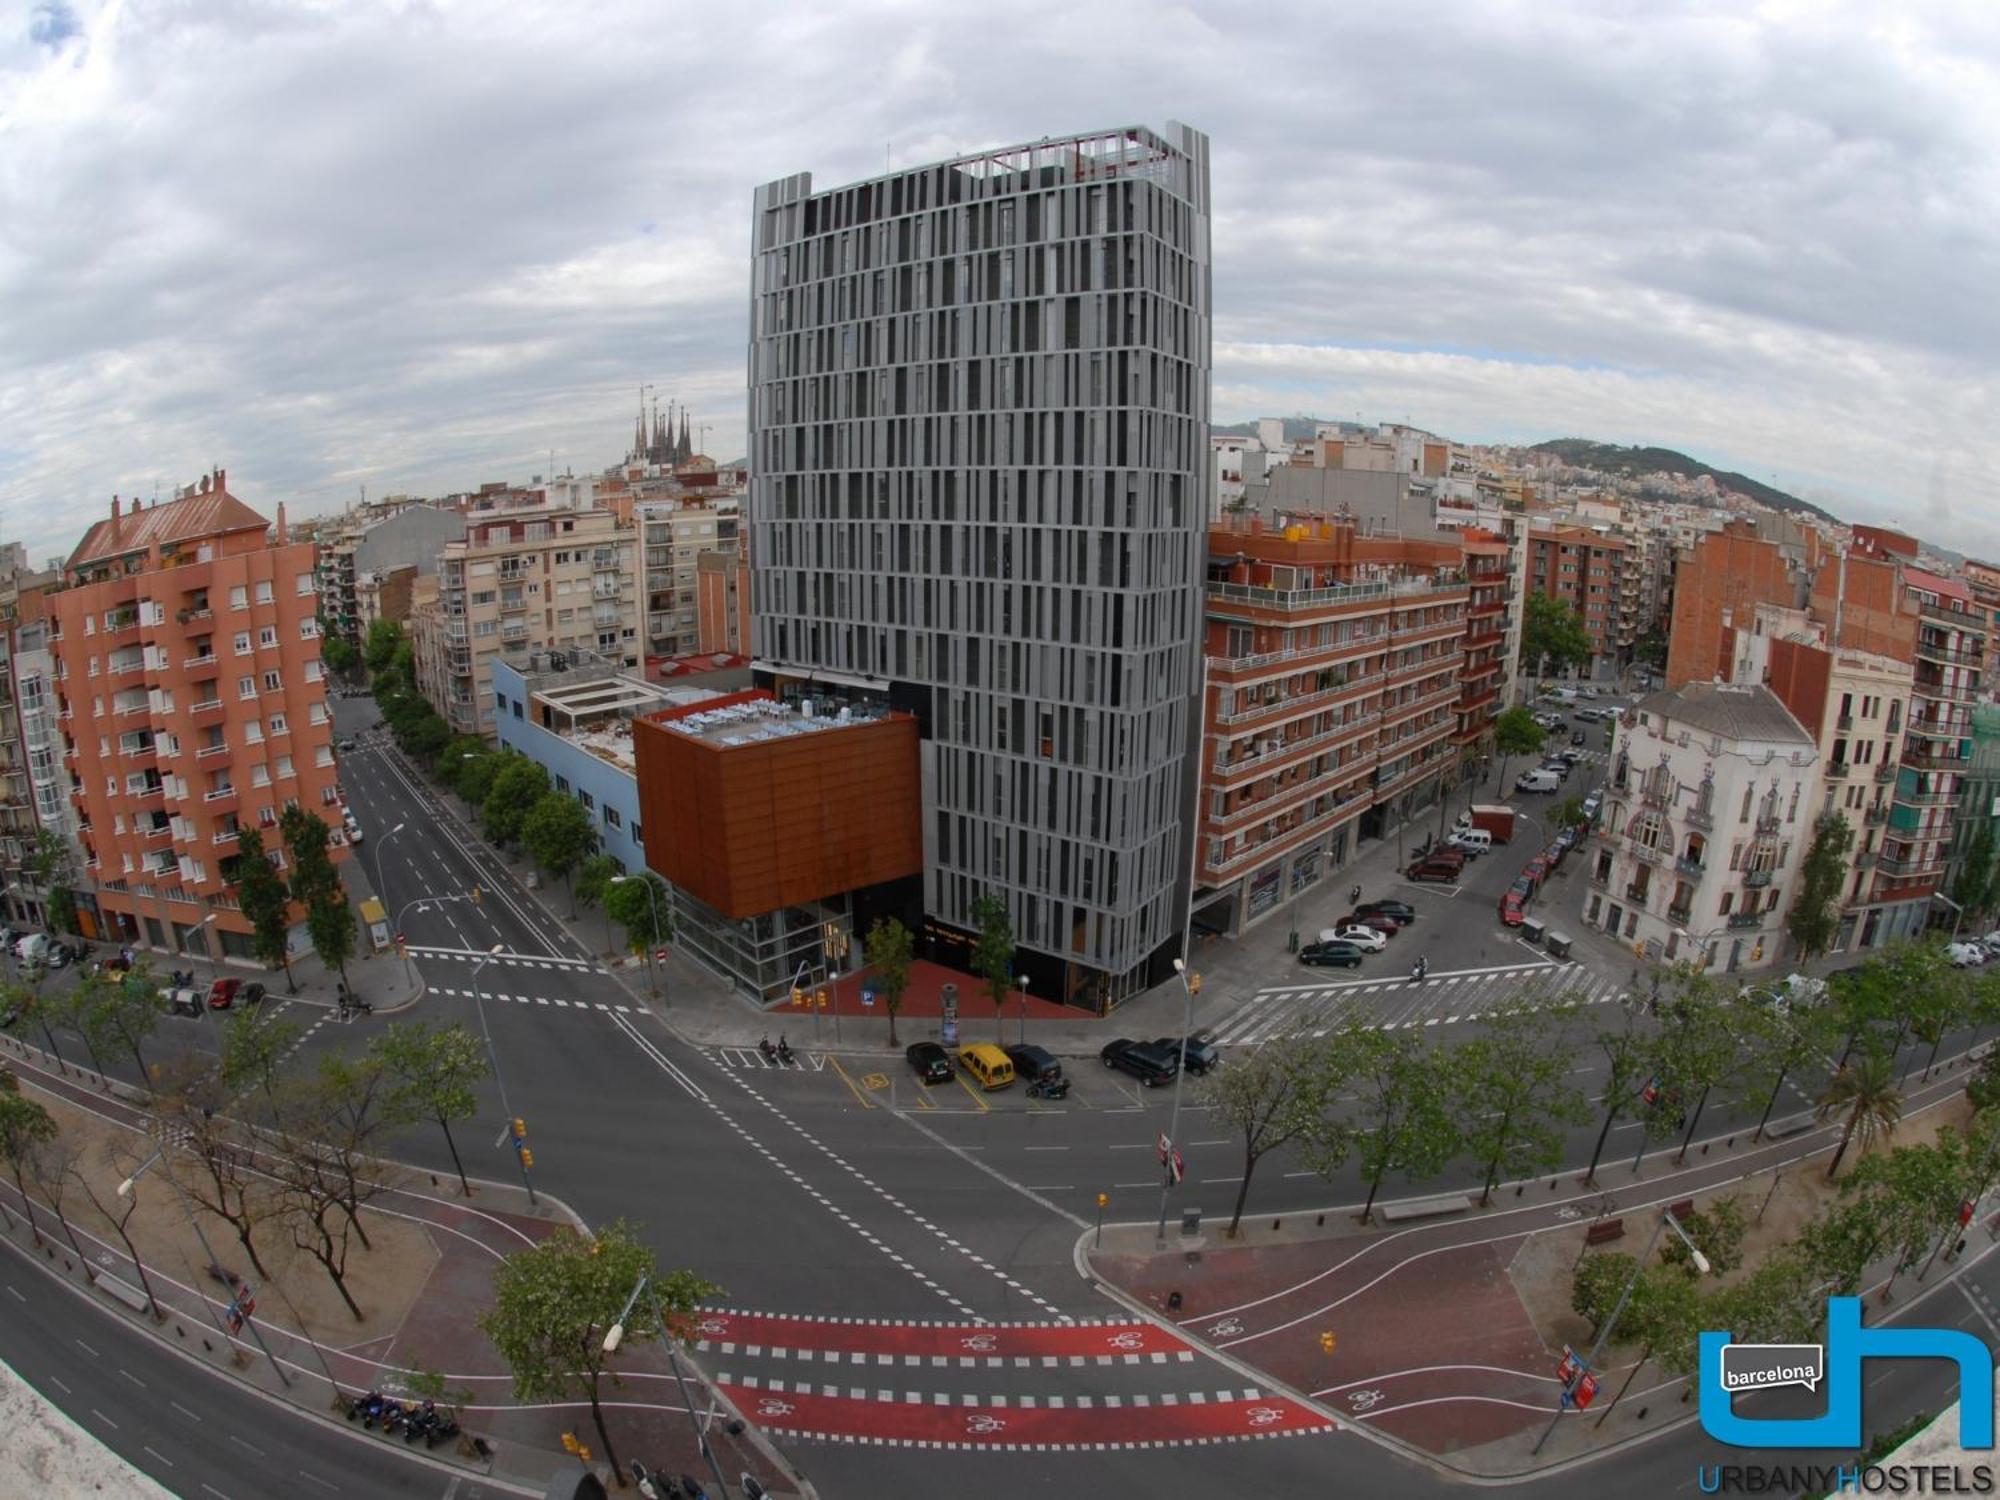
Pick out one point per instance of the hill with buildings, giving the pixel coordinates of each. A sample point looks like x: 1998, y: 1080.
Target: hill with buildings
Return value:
x: 1637, y: 463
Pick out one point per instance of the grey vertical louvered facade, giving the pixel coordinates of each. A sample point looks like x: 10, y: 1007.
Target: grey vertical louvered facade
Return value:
x: 979, y: 407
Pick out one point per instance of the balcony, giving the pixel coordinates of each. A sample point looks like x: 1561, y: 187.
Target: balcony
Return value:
x: 1933, y: 760
x: 1844, y: 723
x: 1836, y: 770
x: 1325, y: 598
x: 1886, y: 771
x: 1743, y: 921
x: 1937, y: 689
x: 1756, y: 880
x: 210, y: 752
x: 206, y: 659
x: 1865, y: 860
x: 1910, y: 869
x: 1300, y: 702
x: 1927, y: 799
x: 208, y: 711
x: 219, y: 797
x: 1767, y: 823
x: 1680, y: 916
x: 1956, y: 619
x: 157, y: 831
x: 1692, y: 869
x: 1875, y: 813
x: 1699, y: 816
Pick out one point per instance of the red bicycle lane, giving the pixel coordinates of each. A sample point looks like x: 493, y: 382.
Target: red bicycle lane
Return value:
x: 729, y: 1331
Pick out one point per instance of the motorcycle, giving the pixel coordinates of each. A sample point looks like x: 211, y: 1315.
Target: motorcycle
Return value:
x: 770, y: 1053
x: 422, y: 1422
x: 1423, y: 968
x: 367, y: 1405
x: 1049, y: 1088
x: 442, y: 1431
x: 654, y: 1485
x: 786, y: 1057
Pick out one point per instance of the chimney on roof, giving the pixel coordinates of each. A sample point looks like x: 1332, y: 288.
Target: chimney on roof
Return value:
x: 114, y: 518
x: 281, y: 536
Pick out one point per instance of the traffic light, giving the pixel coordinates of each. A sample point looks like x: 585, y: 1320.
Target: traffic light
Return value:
x: 1326, y: 1342
x: 527, y: 1157
x: 798, y: 996
x: 1194, y: 984
x: 478, y: 897
x: 819, y: 998
x: 520, y: 1128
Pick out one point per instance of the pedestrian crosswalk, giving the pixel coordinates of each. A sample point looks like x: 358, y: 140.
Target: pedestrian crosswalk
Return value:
x: 512, y: 960
x: 547, y: 1000
x: 1443, y: 999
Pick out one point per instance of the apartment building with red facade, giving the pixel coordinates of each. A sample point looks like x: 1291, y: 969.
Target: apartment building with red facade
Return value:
x: 1333, y: 700
x: 1587, y: 570
x: 193, y: 705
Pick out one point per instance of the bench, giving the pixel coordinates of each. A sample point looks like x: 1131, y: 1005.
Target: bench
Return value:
x: 1604, y: 1231
x: 1681, y: 1209
x: 122, y: 1291
x: 1426, y: 1208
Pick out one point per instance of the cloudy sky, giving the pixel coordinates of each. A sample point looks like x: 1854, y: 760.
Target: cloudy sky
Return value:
x: 417, y: 246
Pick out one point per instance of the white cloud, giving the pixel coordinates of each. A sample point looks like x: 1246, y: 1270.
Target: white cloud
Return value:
x: 419, y: 245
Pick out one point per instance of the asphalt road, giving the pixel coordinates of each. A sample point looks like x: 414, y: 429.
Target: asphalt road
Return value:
x: 199, y: 1433
x: 796, y: 1196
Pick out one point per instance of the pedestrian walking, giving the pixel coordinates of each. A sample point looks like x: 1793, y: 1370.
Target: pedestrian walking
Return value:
x: 1354, y: 896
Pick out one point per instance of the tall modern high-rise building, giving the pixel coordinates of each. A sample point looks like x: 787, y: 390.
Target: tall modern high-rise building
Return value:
x: 979, y: 407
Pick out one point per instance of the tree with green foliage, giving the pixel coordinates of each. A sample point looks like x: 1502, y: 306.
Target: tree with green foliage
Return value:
x: 449, y: 764
x: 1780, y: 1301
x: 554, y: 1303
x: 1776, y: 1040
x: 1815, y: 915
x: 260, y: 894
x: 1717, y: 1231
x: 993, y: 949
x: 1627, y: 1046
x: 559, y: 835
x: 1568, y: 813
x: 476, y: 777
x: 1272, y: 1097
x: 435, y: 1074
x: 1552, y: 634
x: 131, y: 1012
x: 1697, y: 1047
x: 307, y: 838
x: 323, y: 1156
x: 517, y: 787
x: 1515, y: 732
x: 255, y: 1045
x: 425, y: 739
x: 1598, y: 1283
x: 1403, y: 1118
x: 648, y: 920
x: 593, y: 884
x: 378, y: 649
x: 1516, y: 1103
x: 890, y: 947
x: 52, y: 869
x: 1650, y: 649
x: 338, y: 654
x: 1973, y: 886
x: 1864, y: 1098
x: 1913, y: 1194
x: 25, y: 1127
x: 22, y: 1006
x: 86, y: 1008
x: 331, y: 925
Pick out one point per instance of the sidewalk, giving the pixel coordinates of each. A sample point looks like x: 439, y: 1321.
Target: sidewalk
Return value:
x: 1431, y: 1332
x: 437, y: 1256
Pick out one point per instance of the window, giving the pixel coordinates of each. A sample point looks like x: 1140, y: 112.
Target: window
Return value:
x: 273, y: 682
x: 284, y: 765
x: 517, y: 710
x: 562, y: 785
x: 246, y: 687
x: 638, y: 834
x: 260, y: 776
x: 589, y: 802
x: 611, y: 818
x: 308, y: 628
x: 316, y: 714
x: 1728, y: 900
x: 1748, y: 793
x: 279, y: 726
x: 268, y: 636
x: 305, y: 583
x: 263, y: 593
x: 253, y: 733
x: 323, y: 756
x: 242, y: 643
x: 239, y: 597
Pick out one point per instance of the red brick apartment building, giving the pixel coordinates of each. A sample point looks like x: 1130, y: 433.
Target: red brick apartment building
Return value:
x: 1586, y: 570
x: 1334, y: 702
x: 186, y: 643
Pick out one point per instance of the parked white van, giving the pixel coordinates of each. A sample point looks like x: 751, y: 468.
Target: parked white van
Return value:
x: 1474, y: 841
x: 1538, y: 781
x: 33, y: 948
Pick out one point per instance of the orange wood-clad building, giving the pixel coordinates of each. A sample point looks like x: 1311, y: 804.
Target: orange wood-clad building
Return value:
x: 193, y: 706
x: 750, y: 807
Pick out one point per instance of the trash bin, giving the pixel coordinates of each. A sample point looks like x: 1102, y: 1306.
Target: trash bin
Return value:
x: 1190, y: 1222
x: 1532, y: 930
x: 1558, y: 944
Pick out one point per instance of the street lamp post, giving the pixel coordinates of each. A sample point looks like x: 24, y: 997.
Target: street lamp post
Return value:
x: 1024, y: 1010
x: 125, y: 1189
x: 378, y: 853
x: 653, y: 935
x: 1174, y: 1119
x: 1701, y: 1266
x: 493, y: 1057
x: 615, y: 1335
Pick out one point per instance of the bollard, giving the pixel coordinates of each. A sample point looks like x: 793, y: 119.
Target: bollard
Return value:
x: 1322, y: 1221
x: 1173, y: 1301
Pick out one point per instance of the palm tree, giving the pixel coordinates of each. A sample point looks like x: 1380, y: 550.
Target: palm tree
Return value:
x: 1864, y: 1095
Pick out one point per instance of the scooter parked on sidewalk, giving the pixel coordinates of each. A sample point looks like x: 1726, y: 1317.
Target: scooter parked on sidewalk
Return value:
x: 786, y: 1057
x: 770, y: 1053
x: 1423, y: 968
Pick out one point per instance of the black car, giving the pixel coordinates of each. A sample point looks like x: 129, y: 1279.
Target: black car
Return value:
x: 1578, y: 738
x: 252, y: 993
x: 929, y: 1062
x: 1033, y: 1064
x: 1402, y: 911
x: 1331, y: 955
x: 1201, y: 1053
x: 1142, y: 1060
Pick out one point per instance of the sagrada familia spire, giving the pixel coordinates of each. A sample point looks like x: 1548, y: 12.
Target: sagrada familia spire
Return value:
x: 661, y: 444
